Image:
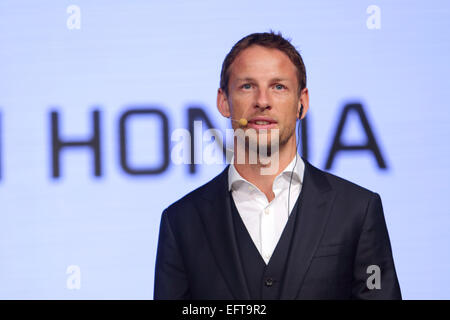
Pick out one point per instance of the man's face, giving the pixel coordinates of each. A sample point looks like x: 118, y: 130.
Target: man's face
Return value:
x: 263, y: 88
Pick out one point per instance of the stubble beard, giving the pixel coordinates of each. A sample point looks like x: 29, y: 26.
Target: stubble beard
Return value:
x: 268, y: 143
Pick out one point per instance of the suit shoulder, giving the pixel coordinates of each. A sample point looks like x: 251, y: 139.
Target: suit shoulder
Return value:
x: 185, y: 204
x: 347, y: 187
x: 352, y: 199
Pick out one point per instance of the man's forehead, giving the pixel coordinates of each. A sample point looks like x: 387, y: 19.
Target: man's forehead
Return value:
x: 256, y: 52
x: 258, y: 59
x: 275, y: 78
x: 256, y: 48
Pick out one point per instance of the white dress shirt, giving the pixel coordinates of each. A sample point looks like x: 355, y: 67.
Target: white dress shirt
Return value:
x: 264, y: 220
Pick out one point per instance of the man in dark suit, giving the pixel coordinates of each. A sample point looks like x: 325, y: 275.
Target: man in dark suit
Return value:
x: 294, y: 233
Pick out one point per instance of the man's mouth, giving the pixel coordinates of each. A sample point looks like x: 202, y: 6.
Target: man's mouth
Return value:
x: 262, y: 123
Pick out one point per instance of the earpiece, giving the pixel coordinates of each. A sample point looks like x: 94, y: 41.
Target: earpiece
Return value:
x: 295, y: 163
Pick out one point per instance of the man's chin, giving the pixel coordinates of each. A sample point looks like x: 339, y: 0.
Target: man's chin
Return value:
x: 262, y: 148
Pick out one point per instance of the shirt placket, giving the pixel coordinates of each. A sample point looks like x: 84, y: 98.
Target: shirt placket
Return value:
x: 267, y: 232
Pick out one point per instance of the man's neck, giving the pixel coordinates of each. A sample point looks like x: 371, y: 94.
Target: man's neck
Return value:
x: 264, y: 182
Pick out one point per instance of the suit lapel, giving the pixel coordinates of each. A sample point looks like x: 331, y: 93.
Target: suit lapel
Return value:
x: 317, y: 198
x: 215, y: 213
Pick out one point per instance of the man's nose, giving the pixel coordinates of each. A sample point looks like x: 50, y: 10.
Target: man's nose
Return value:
x: 262, y: 100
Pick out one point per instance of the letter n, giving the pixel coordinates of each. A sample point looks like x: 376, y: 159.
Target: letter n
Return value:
x: 196, y: 113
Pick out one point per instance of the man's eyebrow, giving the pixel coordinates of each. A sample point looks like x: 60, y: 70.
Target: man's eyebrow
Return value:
x: 279, y: 79
x: 245, y: 79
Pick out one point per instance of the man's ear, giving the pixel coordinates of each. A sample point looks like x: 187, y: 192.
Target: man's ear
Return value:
x: 222, y: 103
x: 304, y: 100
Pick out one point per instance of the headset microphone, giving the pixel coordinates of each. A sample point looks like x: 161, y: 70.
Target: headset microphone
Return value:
x: 242, y: 121
x: 296, y: 150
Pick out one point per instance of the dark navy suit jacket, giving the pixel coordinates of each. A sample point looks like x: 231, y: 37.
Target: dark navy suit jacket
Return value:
x: 339, y: 233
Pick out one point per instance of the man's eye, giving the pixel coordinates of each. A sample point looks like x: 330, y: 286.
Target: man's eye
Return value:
x: 246, y: 86
x: 279, y: 86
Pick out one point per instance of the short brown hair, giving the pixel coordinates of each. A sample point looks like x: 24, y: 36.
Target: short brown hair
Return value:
x: 268, y: 40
